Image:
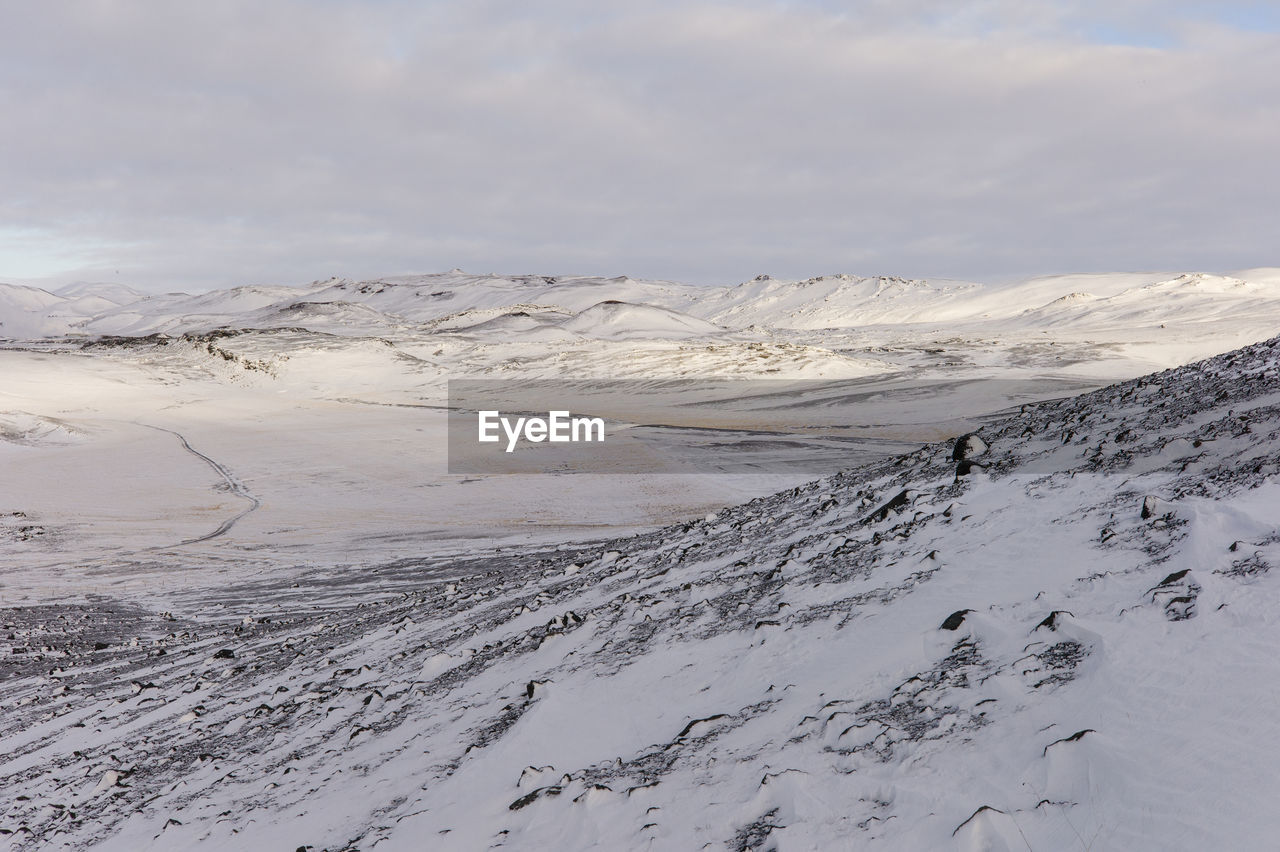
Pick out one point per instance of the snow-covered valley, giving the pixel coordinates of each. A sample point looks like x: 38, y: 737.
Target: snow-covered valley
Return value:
x: 245, y: 606
x: 325, y: 400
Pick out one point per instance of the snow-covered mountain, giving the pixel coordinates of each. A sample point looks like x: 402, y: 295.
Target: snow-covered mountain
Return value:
x: 1057, y: 635
x: 29, y: 312
x: 429, y: 328
x: 444, y: 300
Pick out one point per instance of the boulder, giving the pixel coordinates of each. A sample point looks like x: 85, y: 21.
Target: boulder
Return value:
x: 967, y: 447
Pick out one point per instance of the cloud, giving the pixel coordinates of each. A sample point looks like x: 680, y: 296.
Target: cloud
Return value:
x: 190, y: 145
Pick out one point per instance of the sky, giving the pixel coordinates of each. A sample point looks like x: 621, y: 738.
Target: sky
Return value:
x: 177, y: 145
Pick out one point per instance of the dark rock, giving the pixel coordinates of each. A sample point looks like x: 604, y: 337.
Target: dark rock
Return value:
x: 967, y: 447
x: 689, y: 727
x: 1074, y: 738
x: 1247, y: 568
x: 225, y: 654
x: 974, y: 814
x: 955, y: 619
x: 1178, y: 591
x: 529, y: 798
x: 1181, y: 608
x: 1051, y: 620
x: 1172, y: 578
x: 895, y: 504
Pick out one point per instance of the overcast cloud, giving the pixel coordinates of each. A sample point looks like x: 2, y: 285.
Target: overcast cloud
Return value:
x: 181, y: 145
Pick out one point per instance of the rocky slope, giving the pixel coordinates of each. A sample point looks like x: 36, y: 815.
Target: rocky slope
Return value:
x: 1058, y: 636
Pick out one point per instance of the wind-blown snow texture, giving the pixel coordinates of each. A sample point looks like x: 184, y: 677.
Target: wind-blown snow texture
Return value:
x: 1069, y: 646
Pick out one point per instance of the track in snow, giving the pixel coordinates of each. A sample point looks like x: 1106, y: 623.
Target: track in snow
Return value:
x: 234, y: 485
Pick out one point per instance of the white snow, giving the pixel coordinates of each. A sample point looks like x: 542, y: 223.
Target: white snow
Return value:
x: 363, y: 651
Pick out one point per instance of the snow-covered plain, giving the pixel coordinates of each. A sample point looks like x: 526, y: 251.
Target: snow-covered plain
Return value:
x: 245, y: 607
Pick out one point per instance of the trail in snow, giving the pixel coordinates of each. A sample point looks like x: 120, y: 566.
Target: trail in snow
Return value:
x: 234, y: 485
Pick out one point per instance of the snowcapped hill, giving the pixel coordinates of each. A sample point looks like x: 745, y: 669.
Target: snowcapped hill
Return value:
x: 25, y: 312
x: 1056, y: 636
x: 608, y: 320
x: 423, y: 298
x: 614, y: 320
x: 175, y: 313
x: 836, y: 301
x: 530, y: 326
x: 842, y: 301
x: 31, y: 313
x: 116, y: 294
x: 839, y: 302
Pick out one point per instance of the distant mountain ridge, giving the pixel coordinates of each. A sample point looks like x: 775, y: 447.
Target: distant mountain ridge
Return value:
x: 657, y: 308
